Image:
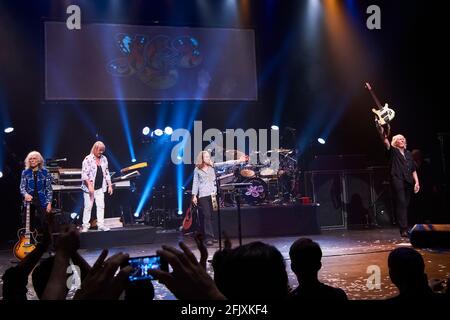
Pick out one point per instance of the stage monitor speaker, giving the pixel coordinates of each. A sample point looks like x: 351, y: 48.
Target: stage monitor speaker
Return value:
x: 431, y: 236
x: 358, y: 199
x: 62, y: 220
x: 126, y: 215
x: 338, y: 162
x: 327, y: 191
x: 382, y: 209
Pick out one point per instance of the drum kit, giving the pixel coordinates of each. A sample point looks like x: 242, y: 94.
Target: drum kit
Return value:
x: 264, y: 181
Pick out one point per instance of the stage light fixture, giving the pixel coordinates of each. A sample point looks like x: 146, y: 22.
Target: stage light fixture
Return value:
x: 321, y: 140
x: 158, y: 132
x: 274, y: 127
x: 74, y: 215
x: 146, y: 131
x: 168, y: 130
x: 8, y: 130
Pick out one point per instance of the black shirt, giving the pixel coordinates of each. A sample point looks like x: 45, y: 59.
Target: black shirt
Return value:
x: 15, y: 282
x: 320, y: 291
x: 98, y: 178
x: 35, y: 191
x: 401, y: 167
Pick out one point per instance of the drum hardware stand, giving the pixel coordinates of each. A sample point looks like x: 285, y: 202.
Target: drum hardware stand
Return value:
x: 238, y: 203
x: 218, y: 197
x: 237, y: 194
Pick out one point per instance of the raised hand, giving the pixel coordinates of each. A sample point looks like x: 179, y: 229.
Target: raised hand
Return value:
x: 189, y: 279
x: 67, y: 245
x: 199, y: 240
x: 68, y: 241
x: 101, y: 282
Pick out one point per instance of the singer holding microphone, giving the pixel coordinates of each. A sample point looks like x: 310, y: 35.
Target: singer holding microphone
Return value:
x: 203, y: 192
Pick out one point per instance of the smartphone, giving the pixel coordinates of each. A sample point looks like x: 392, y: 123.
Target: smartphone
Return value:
x: 141, y: 265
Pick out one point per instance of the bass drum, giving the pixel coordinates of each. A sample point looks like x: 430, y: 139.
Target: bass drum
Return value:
x: 256, y: 193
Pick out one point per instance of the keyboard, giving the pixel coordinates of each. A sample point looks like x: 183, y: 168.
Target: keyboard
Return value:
x: 117, y: 185
x: 70, y: 172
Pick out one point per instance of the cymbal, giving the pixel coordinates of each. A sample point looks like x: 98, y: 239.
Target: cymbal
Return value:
x: 280, y: 150
x: 235, y: 153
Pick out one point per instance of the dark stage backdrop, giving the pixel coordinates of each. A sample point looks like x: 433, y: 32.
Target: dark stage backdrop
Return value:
x: 135, y: 62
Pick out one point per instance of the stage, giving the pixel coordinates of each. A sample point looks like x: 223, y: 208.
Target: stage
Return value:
x: 346, y: 256
x: 255, y: 221
x: 269, y: 220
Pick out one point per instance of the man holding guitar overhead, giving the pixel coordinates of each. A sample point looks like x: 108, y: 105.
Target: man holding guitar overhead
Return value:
x: 36, y: 188
x: 403, y: 175
x: 402, y: 169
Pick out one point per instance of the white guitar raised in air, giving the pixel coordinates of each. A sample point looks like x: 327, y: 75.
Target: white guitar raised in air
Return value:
x: 383, y: 114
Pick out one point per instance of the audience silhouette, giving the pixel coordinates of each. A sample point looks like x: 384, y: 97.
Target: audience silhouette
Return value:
x: 306, y: 257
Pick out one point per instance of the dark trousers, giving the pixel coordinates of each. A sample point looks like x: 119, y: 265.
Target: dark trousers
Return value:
x: 40, y: 220
x: 205, y: 215
x: 402, y: 191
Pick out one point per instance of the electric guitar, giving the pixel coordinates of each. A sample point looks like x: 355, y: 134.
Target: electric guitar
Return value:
x: 191, y: 222
x: 26, y: 238
x: 187, y: 221
x: 384, y: 114
x: 214, y: 202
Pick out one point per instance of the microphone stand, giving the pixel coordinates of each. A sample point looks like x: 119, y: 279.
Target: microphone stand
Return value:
x: 238, y: 204
x: 218, y: 207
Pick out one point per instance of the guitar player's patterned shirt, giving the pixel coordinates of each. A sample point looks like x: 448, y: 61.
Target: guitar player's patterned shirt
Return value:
x: 43, y: 185
x: 89, y: 171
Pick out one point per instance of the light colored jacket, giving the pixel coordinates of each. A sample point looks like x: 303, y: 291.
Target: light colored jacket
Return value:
x: 89, y: 171
x: 204, y: 183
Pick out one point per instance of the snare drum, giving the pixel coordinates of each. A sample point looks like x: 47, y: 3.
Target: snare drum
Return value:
x: 248, y: 172
x: 267, y: 172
